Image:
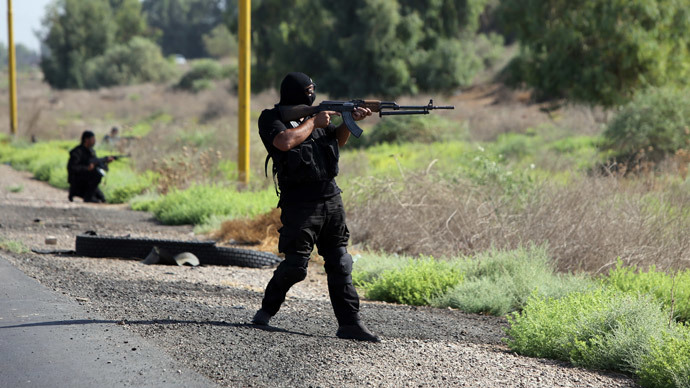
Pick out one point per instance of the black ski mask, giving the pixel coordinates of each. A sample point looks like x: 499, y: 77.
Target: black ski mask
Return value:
x: 293, y: 89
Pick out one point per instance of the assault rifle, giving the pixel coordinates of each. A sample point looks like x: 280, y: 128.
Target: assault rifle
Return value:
x: 345, y: 108
x: 102, y: 163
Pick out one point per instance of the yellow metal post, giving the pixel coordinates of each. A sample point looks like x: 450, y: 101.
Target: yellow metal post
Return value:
x: 12, y: 67
x: 244, y: 97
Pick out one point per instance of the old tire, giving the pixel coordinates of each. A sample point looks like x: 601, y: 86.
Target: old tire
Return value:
x: 207, y: 252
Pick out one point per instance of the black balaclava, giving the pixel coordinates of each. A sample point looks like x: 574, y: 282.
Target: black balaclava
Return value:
x: 292, y: 90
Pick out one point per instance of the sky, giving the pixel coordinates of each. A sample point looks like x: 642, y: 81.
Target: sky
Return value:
x: 27, y: 19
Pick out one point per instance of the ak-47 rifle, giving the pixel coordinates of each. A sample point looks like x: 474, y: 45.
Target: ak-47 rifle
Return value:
x: 345, y: 108
x: 102, y: 163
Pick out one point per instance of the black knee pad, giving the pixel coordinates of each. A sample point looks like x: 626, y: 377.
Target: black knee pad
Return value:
x: 338, y: 267
x: 293, y: 269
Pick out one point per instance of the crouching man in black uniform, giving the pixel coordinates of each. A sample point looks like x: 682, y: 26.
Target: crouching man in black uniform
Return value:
x: 82, y: 172
x: 305, y: 160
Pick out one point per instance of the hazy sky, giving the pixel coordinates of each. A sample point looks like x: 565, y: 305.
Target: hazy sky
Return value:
x: 27, y: 18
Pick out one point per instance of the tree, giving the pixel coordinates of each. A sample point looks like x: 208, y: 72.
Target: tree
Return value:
x: 129, y: 18
x: 25, y: 56
x: 137, y: 61
x: 363, y: 47
x: 220, y: 42
x: 75, y: 31
x: 598, y: 51
x: 183, y: 23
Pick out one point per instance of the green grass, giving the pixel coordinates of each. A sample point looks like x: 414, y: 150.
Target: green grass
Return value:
x: 13, y: 246
x: 121, y: 183
x: 605, y: 329
x: 498, y: 282
x: 414, y: 283
x: 601, y: 329
x: 495, y: 282
x: 17, y: 188
x: 198, y: 203
x: 667, y: 364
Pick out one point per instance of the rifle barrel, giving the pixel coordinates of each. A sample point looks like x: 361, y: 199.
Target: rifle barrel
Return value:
x: 404, y: 112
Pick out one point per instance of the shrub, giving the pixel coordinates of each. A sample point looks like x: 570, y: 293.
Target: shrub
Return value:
x: 498, y: 282
x: 667, y: 365
x: 196, y: 204
x: 145, y: 201
x: 414, y: 283
x: 653, y: 126
x: 369, y: 266
x: 658, y: 283
x: 602, y: 329
x: 122, y: 183
x: 201, y: 74
x: 136, y: 61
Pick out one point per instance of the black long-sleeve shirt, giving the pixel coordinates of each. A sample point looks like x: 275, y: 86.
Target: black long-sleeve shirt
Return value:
x: 80, y: 158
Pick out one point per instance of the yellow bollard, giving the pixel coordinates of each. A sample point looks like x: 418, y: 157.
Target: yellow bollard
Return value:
x: 244, y: 90
x: 12, y: 66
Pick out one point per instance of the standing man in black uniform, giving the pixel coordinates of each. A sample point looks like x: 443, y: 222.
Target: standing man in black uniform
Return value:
x: 305, y: 159
x: 82, y: 172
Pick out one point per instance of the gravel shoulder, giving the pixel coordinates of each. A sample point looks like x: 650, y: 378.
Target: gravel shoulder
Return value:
x: 200, y: 316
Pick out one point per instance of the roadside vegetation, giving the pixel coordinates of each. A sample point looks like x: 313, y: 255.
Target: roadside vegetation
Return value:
x: 562, y: 204
x: 520, y: 226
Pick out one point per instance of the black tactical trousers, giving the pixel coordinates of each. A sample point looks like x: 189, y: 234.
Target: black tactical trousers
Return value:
x: 305, y: 224
x: 86, y: 187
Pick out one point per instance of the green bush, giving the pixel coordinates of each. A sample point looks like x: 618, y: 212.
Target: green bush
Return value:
x: 369, y: 266
x: 415, y: 129
x: 201, y: 74
x: 415, y: 283
x: 653, y: 126
x: 498, y: 282
x: 598, y: 51
x: 122, y: 183
x: 145, y: 201
x: 667, y: 365
x: 196, y: 204
x: 136, y: 61
x: 602, y: 329
x: 658, y: 283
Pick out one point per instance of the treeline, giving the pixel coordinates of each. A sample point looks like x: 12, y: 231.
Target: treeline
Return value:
x: 596, y: 51
x: 24, y: 56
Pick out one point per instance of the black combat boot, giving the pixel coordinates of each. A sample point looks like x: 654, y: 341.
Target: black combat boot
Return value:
x: 261, y: 318
x: 356, y: 331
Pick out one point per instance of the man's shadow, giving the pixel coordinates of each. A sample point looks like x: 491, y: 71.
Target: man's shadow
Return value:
x: 160, y: 322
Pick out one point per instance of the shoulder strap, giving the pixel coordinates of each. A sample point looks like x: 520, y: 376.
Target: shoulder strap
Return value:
x: 274, y: 173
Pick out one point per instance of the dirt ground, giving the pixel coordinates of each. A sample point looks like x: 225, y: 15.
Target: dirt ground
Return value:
x: 200, y: 316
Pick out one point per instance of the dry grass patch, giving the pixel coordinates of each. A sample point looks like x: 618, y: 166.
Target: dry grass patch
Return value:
x: 261, y: 231
x: 587, y: 224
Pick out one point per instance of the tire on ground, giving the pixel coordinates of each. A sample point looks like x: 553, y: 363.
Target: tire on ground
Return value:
x: 207, y: 252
